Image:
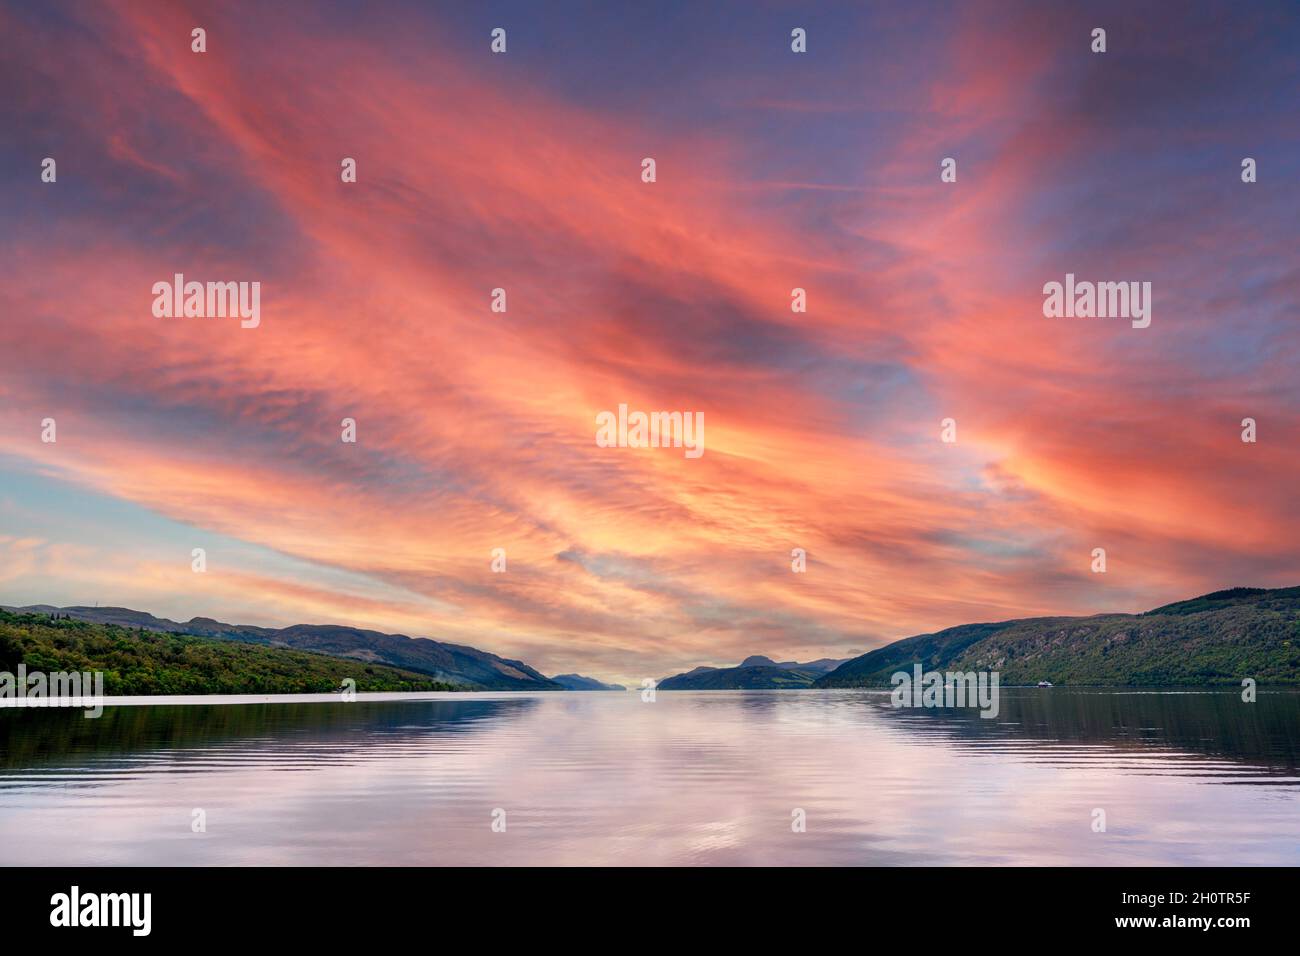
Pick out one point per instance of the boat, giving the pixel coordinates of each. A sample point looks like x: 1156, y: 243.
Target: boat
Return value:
x: 1044, y: 683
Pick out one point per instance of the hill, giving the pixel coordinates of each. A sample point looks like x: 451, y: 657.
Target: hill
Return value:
x: 154, y: 662
x: 448, y: 663
x: 754, y: 673
x: 1217, y: 638
x: 578, y: 682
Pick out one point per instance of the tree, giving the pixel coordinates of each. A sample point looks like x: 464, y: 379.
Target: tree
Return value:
x: 11, y: 653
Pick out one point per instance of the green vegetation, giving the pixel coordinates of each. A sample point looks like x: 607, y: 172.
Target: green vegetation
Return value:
x: 1217, y: 638
x: 464, y: 667
x: 149, y: 662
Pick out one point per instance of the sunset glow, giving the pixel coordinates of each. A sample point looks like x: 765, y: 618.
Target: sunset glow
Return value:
x: 477, y: 429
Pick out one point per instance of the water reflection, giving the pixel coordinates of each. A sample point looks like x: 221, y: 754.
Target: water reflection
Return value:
x: 190, y: 738
x: 691, y: 778
x: 1261, y: 737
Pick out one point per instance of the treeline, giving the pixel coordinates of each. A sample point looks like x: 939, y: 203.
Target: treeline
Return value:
x: 1215, y: 639
x: 139, y: 662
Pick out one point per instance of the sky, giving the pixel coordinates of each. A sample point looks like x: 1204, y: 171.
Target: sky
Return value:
x: 522, y: 170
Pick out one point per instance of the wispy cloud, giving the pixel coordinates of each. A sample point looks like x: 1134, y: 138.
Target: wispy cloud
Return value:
x: 476, y: 428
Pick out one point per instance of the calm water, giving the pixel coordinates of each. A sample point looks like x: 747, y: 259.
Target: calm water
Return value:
x: 1185, y: 778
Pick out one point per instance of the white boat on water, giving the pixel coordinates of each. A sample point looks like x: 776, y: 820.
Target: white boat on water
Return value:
x: 1044, y: 683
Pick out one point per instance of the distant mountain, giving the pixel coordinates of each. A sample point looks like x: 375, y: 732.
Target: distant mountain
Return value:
x: 1217, y: 638
x: 754, y: 673
x: 822, y: 665
x: 578, y: 682
x: 450, y: 663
